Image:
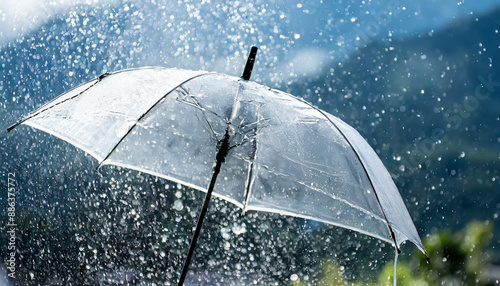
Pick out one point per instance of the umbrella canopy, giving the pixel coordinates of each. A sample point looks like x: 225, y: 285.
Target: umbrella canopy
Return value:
x: 281, y: 154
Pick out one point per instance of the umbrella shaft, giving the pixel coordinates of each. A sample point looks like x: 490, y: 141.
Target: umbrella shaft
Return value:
x: 204, y: 209
x: 221, y: 157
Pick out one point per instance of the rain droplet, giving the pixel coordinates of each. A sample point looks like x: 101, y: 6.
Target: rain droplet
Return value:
x: 239, y: 229
x: 225, y: 233
x: 178, y: 205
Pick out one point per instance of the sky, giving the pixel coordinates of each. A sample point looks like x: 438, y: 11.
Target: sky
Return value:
x: 20, y: 17
x: 321, y: 31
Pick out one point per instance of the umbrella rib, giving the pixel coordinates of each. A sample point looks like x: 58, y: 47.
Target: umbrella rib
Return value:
x: 144, y: 115
x: 197, y: 105
x: 251, y: 175
x: 203, y: 109
x: 364, y: 168
x: 97, y: 80
x: 236, y: 108
x: 210, y: 128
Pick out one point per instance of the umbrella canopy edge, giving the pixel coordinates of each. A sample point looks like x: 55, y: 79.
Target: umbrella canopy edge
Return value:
x: 390, y: 225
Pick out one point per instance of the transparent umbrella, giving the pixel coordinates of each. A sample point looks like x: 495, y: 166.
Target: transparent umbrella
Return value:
x: 281, y: 153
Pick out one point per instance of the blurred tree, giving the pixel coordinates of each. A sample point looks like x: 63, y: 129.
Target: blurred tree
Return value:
x: 456, y: 259
x: 330, y: 273
x: 405, y: 276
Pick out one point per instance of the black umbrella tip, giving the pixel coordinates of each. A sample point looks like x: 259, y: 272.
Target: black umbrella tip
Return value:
x: 12, y: 126
x: 247, y: 72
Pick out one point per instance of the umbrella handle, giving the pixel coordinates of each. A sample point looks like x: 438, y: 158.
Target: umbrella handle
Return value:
x: 224, y: 148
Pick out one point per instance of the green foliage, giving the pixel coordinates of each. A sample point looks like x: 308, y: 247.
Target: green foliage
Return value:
x: 330, y: 273
x: 455, y: 259
x: 405, y: 276
x: 459, y: 256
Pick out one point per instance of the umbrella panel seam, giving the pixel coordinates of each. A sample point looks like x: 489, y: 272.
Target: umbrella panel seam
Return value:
x: 138, y: 120
x: 335, y: 127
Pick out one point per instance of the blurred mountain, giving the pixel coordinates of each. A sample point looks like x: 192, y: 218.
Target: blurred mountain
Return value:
x: 429, y: 105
